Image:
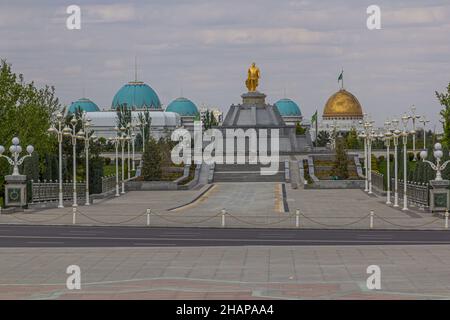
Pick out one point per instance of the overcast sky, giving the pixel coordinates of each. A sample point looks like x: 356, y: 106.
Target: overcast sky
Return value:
x: 202, y: 49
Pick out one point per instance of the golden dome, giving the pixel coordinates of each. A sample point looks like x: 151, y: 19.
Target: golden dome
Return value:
x: 341, y: 105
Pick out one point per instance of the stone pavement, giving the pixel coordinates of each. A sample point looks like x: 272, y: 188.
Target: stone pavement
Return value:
x: 254, y: 205
x: 319, y: 272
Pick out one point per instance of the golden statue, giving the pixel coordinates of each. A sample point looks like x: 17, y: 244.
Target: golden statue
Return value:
x: 253, y: 78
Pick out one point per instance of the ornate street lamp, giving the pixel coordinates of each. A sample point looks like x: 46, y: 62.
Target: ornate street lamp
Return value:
x: 368, y: 135
x: 438, y: 167
x: 396, y: 135
x: 142, y: 124
x: 86, y: 134
x: 388, y: 135
x: 123, y: 139
x: 424, y: 122
x: 71, y: 133
x: 405, y: 120
x: 363, y: 136
x: 414, y: 117
x: 59, y: 133
x: 116, y: 141
x: 15, y: 149
x: 133, y: 139
x: 128, y: 150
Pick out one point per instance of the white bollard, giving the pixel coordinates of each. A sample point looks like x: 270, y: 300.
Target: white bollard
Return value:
x: 297, y: 218
x: 446, y: 219
x: 74, y: 215
x: 371, y: 219
x: 0, y: 210
x: 149, y: 211
x: 223, y: 217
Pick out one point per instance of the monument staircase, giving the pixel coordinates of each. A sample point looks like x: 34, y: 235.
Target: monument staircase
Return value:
x: 246, y: 173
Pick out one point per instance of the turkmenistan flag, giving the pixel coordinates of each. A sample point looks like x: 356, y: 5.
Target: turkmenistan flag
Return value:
x: 314, y: 118
x: 341, y: 76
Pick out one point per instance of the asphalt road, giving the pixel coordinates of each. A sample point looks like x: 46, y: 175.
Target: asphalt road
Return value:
x: 93, y: 236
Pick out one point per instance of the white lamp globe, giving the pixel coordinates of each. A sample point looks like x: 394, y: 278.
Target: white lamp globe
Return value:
x: 15, y: 141
x: 423, y: 154
x: 12, y: 149
x: 438, y: 146
x: 30, y: 149
x: 18, y: 149
x: 2, y: 149
x: 438, y: 154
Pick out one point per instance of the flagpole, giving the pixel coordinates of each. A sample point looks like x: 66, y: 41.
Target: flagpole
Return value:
x: 317, y: 129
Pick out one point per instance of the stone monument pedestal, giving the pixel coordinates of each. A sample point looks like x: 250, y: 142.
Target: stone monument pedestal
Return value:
x: 15, y: 191
x: 439, y: 195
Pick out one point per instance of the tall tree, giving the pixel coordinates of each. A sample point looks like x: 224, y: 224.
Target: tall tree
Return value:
x: 340, y: 168
x: 152, y: 161
x: 444, y: 100
x: 25, y: 112
x: 323, y: 138
x: 352, y: 139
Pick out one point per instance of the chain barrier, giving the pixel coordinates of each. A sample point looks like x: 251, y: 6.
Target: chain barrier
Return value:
x: 192, y: 222
x: 115, y: 223
x: 39, y: 221
x: 223, y: 214
x: 259, y: 224
x: 335, y: 225
x: 403, y: 226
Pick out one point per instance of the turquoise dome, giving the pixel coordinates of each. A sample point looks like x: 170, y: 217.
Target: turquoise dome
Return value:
x: 84, y: 104
x: 136, y: 95
x: 184, y: 107
x: 288, y: 108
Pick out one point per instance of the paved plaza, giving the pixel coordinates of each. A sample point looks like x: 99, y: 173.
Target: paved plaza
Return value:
x: 407, y: 272
x: 265, y: 205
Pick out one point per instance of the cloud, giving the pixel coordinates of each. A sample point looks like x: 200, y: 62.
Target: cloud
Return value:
x: 205, y: 46
x: 109, y: 13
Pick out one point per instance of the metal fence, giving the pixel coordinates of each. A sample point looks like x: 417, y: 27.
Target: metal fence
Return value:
x: 378, y: 181
x: 47, y: 191
x: 108, y: 183
x: 418, y: 193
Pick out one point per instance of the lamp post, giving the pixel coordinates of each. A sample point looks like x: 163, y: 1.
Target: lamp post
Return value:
x: 142, y: 124
x: 424, y: 122
x: 362, y: 135
x: 438, y: 167
x: 59, y: 133
x: 387, y: 139
x: 368, y: 134
x: 133, y: 139
x: 396, y: 135
x: 15, y: 149
x: 405, y: 120
x: 116, y: 141
x: 123, y: 140
x: 86, y: 134
x: 16, y: 184
x: 414, y: 117
x: 72, y: 133
x: 128, y: 135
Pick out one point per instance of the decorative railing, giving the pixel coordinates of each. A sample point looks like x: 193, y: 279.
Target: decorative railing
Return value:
x: 378, y: 181
x: 48, y: 191
x: 108, y: 183
x: 417, y: 192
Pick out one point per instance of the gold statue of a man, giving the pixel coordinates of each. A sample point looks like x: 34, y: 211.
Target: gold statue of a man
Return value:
x: 253, y: 78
